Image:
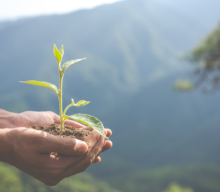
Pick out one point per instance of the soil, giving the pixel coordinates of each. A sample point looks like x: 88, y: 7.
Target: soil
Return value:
x: 69, y: 131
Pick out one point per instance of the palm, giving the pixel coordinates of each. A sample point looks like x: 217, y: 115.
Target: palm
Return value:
x: 31, y: 118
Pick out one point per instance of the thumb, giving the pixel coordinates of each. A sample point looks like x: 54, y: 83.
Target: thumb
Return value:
x: 65, y: 146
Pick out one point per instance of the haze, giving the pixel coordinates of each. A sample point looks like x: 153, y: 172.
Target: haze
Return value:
x: 13, y: 9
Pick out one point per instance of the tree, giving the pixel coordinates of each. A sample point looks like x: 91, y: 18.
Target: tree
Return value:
x: 206, y: 57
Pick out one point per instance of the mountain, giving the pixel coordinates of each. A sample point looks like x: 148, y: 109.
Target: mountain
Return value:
x: 205, y: 13
x: 127, y: 44
x: 159, y: 126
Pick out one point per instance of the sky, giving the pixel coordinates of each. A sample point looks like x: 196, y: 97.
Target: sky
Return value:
x: 14, y: 9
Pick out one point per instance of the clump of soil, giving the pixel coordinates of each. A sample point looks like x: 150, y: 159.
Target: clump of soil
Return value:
x: 69, y: 131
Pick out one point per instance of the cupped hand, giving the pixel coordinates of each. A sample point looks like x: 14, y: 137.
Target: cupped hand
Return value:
x: 31, y: 118
x: 31, y: 152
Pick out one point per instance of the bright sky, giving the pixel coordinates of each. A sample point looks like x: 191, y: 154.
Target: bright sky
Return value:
x: 12, y: 9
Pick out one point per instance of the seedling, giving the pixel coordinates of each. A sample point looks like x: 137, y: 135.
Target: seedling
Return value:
x: 89, y: 120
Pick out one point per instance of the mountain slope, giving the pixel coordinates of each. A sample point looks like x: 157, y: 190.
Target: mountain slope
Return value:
x: 159, y: 126
x: 127, y: 44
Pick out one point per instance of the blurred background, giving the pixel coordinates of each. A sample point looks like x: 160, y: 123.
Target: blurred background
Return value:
x: 163, y: 140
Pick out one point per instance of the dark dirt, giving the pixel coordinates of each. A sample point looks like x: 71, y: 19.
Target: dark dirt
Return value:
x: 69, y: 131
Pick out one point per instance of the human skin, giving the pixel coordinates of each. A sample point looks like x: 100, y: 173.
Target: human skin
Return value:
x: 30, y: 150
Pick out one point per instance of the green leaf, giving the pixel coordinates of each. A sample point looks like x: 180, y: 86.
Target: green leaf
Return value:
x: 70, y: 105
x: 57, y: 54
x: 40, y: 83
x: 66, y: 65
x: 89, y: 120
x: 82, y: 103
x: 62, y: 51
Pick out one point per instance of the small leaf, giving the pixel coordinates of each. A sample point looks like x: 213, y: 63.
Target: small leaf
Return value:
x: 82, y: 103
x: 70, y: 105
x: 89, y: 120
x: 66, y: 65
x: 62, y: 51
x: 57, y: 54
x: 40, y: 83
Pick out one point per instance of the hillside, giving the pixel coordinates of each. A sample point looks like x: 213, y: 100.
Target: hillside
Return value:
x: 168, y: 127
x: 200, y: 178
x: 124, y: 52
x: 13, y: 180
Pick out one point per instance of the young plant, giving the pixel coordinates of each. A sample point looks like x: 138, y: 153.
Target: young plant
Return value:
x: 89, y: 120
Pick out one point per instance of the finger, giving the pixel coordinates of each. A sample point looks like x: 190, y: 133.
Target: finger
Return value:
x: 73, y: 123
x: 107, y: 146
x: 68, y: 161
x: 88, y: 160
x: 88, y: 128
x: 97, y: 160
x: 65, y: 146
x: 92, y: 139
x: 94, y: 153
x: 108, y: 132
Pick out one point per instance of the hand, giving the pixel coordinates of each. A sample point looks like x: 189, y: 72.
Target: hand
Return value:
x: 30, y: 151
x: 31, y: 118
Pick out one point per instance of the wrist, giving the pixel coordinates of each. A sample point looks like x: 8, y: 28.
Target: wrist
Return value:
x: 6, y: 145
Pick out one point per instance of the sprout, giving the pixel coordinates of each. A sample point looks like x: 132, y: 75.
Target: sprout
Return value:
x: 88, y: 120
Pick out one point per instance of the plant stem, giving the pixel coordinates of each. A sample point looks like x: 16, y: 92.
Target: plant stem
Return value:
x: 70, y: 105
x: 61, y: 101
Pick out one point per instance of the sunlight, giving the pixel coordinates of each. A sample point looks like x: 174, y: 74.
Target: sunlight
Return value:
x: 12, y: 9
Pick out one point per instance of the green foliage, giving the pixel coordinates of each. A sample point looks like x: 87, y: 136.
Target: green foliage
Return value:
x: 66, y: 65
x: 207, y: 57
x: 62, y: 51
x: 208, y: 51
x: 78, y: 183
x: 9, y: 180
x: 83, y: 183
x: 82, y: 103
x: 57, y: 54
x: 200, y: 178
x: 79, y: 104
x: 40, y: 83
x: 13, y: 180
x: 89, y: 120
x: 174, y: 187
